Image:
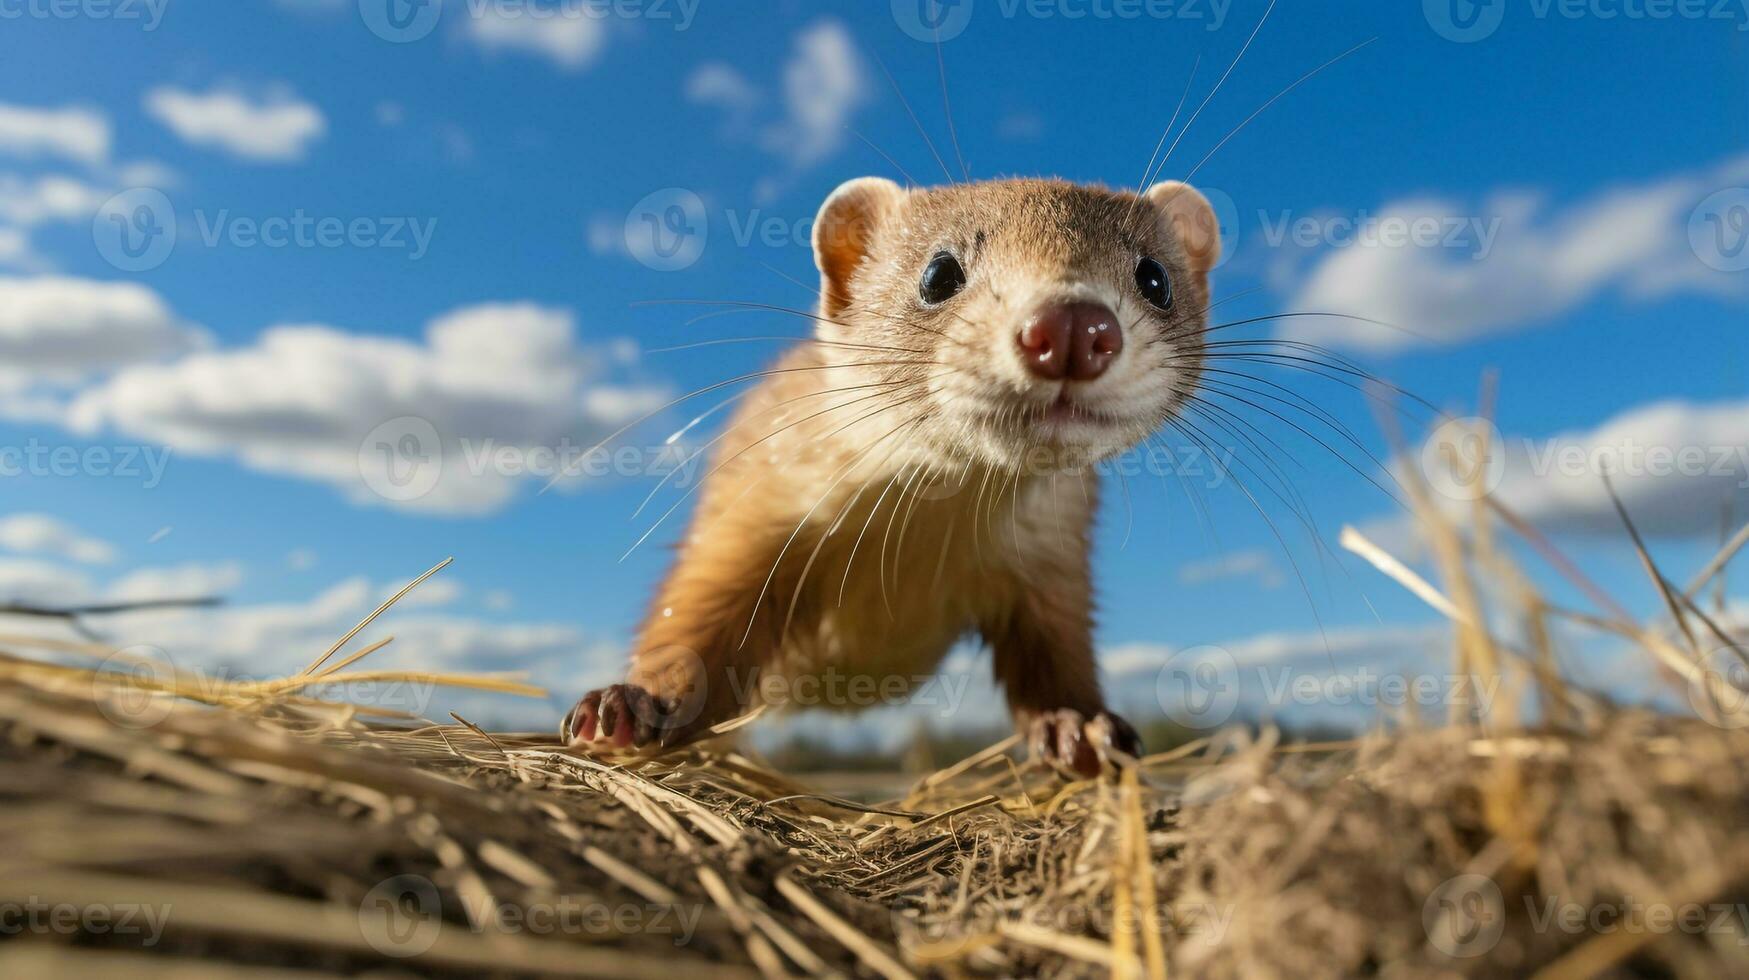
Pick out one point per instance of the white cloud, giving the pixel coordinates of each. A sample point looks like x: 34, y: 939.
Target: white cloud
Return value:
x: 605, y: 235
x: 823, y: 83
x: 29, y: 202
x: 1270, y: 674
x: 716, y: 84
x: 276, y: 128
x: 34, y: 534
x: 60, y: 330
x: 1537, y: 264
x: 144, y: 173
x: 300, y: 560
x: 52, y: 197
x: 302, y: 400
x: 72, y: 133
x: 433, y: 593
x: 570, y: 37
x: 1256, y: 565
x: 29, y: 581
x: 15, y: 248
x: 188, y: 581
x: 499, y: 600
x: 277, y: 639
x: 1366, y: 644
x: 1675, y: 465
x: 44, y: 583
x: 458, y: 146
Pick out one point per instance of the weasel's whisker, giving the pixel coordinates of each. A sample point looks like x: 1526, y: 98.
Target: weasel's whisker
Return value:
x: 1304, y: 515
x: 744, y: 449
x: 1221, y: 392
x: 857, y: 544
x: 914, y: 120
x: 885, y: 156
x: 761, y: 414
x: 569, y: 469
x: 1289, y: 396
x: 887, y: 536
x: 777, y: 338
x: 778, y: 561
x: 810, y: 315
x: 1214, y: 91
x: 862, y: 486
x: 929, y: 480
x: 1294, y: 400
x: 1183, y: 97
x: 1277, y: 97
x: 1129, y: 515
x: 947, y: 106
x: 1014, y: 485
x: 1197, y: 504
x: 980, y: 517
x: 1309, y: 365
x: 699, y: 419
x: 1288, y: 492
x: 1322, y: 314
x: 1281, y: 541
x: 1289, y: 497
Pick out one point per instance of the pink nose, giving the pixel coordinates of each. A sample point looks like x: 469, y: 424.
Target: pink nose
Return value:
x: 1073, y: 341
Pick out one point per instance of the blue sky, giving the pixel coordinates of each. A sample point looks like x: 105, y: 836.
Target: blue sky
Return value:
x: 1574, y: 160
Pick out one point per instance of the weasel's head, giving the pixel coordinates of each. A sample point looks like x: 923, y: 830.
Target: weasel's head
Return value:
x: 1020, y: 315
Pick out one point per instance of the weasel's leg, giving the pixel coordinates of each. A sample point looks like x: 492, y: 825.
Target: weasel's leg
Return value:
x: 1043, y: 649
x: 698, y: 658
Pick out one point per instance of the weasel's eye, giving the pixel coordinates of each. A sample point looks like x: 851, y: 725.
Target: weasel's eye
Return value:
x: 1152, y: 281
x: 942, y: 278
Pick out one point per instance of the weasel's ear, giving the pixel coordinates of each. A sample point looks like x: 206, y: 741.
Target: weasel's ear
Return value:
x: 1192, y: 220
x: 843, y: 232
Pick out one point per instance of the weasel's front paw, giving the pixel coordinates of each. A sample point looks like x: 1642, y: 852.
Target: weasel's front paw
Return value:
x: 1077, y: 745
x: 622, y: 716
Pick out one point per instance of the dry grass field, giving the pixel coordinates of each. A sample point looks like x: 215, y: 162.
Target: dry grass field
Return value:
x: 156, y: 822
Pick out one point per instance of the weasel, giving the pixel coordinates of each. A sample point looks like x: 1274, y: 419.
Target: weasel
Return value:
x: 918, y: 471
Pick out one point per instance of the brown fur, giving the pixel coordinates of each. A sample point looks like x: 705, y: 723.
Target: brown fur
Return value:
x: 896, y: 485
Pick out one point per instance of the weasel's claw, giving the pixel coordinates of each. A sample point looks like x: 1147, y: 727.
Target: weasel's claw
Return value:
x: 1080, y: 747
x: 618, y: 716
x: 580, y: 721
x: 1115, y: 739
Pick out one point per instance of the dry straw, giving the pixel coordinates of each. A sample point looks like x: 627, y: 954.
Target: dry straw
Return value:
x: 268, y: 824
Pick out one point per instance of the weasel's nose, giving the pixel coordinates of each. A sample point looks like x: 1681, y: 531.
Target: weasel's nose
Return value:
x: 1073, y: 341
